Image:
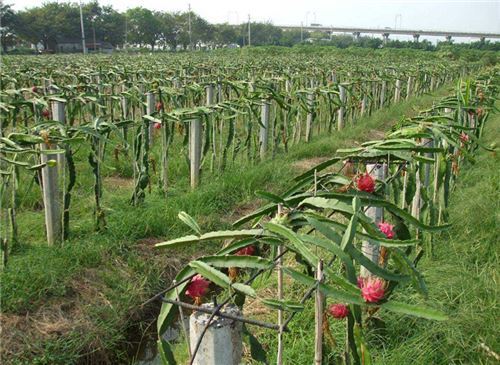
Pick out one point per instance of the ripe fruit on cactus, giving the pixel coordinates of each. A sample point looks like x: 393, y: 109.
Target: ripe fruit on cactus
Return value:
x: 387, y: 229
x: 197, y: 288
x: 159, y: 106
x: 34, y: 89
x: 246, y: 251
x: 157, y: 125
x: 464, y: 137
x: 366, y: 183
x: 373, y: 289
x: 45, y: 113
x: 338, y: 311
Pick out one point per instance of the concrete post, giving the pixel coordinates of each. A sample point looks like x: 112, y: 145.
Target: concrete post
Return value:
x: 415, y: 207
x: 409, y: 87
x: 150, y: 108
x: 264, y: 128
x: 309, y: 119
x: 51, y: 199
x: 59, y: 115
x: 364, y: 104
x: 124, y: 105
x: 222, y: 343
x: 382, y: 94
x: 397, y: 91
x: 416, y: 37
x: 342, y: 108
x: 370, y: 250
x: 195, y: 151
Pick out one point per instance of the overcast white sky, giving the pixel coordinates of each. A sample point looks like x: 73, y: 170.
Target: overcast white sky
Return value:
x: 458, y: 15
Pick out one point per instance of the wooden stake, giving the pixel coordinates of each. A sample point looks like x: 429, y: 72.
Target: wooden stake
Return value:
x: 318, y: 318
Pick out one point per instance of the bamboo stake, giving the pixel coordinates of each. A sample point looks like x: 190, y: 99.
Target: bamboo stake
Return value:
x: 318, y: 317
x: 279, y: 360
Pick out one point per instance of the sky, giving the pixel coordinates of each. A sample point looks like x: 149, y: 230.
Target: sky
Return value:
x: 449, y: 15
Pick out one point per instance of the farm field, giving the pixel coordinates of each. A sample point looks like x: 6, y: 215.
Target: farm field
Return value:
x: 127, y: 142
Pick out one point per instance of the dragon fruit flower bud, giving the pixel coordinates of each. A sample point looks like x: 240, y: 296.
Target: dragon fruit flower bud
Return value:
x: 373, y: 290
x: 387, y: 229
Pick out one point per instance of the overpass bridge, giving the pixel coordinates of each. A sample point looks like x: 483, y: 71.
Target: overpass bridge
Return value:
x: 386, y: 32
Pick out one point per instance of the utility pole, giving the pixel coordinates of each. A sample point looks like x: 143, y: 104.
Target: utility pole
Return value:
x: 83, y: 30
x: 249, y: 33
x: 93, y: 31
x: 189, y: 28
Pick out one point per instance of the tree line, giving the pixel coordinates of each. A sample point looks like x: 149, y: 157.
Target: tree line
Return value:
x: 53, y: 22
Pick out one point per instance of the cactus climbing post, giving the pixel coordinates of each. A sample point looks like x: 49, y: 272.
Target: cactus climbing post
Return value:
x: 342, y: 107
x: 264, y: 129
x: 195, y: 151
x: 51, y: 198
x: 369, y: 249
x: 150, y: 107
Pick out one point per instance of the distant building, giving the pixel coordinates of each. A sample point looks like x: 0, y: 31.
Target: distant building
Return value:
x: 75, y: 46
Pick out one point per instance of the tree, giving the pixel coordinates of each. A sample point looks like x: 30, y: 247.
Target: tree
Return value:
x: 7, y: 24
x: 144, y: 26
x: 263, y: 34
x: 112, y: 26
x: 169, y: 31
x: 46, y: 23
x: 291, y: 37
x: 225, y: 34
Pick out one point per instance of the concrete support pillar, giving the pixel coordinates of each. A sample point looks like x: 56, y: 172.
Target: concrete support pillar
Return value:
x: 416, y: 37
x: 222, y: 343
x: 368, y: 248
x: 264, y: 128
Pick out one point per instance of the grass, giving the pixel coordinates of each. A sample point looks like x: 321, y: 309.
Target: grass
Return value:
x: 461, y: 274
x: 82, y: 301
